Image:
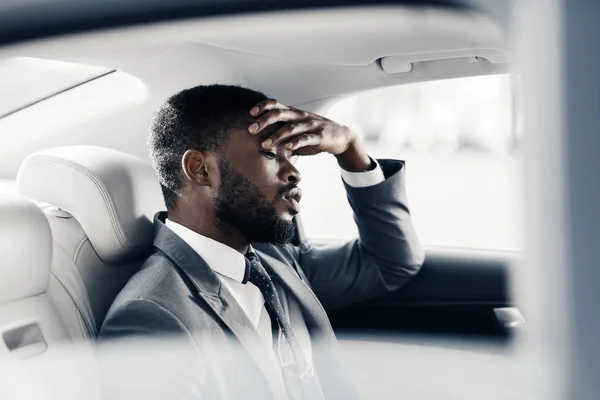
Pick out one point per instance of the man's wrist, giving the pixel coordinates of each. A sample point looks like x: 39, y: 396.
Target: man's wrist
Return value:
x: 355, y: 158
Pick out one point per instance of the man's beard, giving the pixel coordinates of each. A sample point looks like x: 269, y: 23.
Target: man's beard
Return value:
x: 241, y: 205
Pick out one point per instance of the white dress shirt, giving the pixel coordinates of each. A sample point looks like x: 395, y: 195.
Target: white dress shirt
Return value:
x: 365, y: 178
x: 230, y: 265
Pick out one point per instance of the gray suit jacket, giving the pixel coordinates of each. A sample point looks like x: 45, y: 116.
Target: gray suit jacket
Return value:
x: 177, y: 294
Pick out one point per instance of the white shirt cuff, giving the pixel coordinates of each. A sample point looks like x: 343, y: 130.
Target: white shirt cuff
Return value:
x: 365, y: 178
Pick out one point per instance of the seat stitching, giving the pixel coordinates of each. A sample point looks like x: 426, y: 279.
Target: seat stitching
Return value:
x: 88, y: 327
x: 91, y: 325
x: 81, y: 325
x: 101, y: 188
x: 79, y: 247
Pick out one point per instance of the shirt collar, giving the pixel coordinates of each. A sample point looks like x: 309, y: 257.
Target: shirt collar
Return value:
x: 220, y: 258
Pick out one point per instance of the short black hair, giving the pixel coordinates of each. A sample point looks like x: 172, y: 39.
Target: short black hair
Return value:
x: 197, y: 118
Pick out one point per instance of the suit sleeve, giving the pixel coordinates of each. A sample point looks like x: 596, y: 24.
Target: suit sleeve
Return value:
x: 386, y: 255
x: 144, y: 351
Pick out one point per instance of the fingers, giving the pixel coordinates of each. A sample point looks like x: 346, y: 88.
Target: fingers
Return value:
x: 289, y: 131
x: 272, y: 117
x: 266, y: 105
x: 300, y: 130
x: 281, y: 135
x: 303, y: 140
x: 270, y: 112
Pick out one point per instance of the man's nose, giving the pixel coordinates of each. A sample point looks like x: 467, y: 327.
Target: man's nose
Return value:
x: 291, y: 174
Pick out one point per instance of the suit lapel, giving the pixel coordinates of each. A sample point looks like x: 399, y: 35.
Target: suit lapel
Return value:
x: 333, y: 376
x: 218, y: 298
x: 230, y: 312
x: 314, y: 314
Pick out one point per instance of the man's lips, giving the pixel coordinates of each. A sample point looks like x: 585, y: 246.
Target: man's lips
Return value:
x: 293, y: 197
x: 295, y: 193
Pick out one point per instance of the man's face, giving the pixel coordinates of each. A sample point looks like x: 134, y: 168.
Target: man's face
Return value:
x: 257, y: 193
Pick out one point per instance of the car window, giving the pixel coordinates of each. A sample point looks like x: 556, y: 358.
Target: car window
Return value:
x: 461, y: 146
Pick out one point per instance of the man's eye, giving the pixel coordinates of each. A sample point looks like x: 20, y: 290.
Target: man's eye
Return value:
x: 269, y: 155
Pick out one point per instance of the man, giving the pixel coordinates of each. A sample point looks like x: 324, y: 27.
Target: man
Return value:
x: 223, y: 266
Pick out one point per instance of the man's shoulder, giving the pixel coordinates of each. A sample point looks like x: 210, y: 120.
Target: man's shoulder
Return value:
x: 157, y: 279
x: 149, y: 300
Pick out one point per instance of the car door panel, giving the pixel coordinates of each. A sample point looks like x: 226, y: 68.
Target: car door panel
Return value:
x: 456, y: 292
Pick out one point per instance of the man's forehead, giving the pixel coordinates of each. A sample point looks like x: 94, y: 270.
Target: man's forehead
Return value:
x: 266, y: 132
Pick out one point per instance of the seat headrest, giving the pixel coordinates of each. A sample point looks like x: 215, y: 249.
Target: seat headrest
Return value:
x: 113, y: 195
x: 25, y: 249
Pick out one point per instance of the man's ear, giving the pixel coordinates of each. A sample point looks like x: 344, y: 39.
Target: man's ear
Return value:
x: 199, y: 168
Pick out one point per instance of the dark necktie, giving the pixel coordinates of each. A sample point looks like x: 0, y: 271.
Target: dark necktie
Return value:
x: 256, y: 274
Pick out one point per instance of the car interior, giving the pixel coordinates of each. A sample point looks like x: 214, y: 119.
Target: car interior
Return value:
x: 78, y: 193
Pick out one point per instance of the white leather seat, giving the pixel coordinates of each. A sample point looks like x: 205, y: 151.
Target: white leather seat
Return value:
x: 99, y: 204
x: 28, y: 321
x: 35, y: 361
